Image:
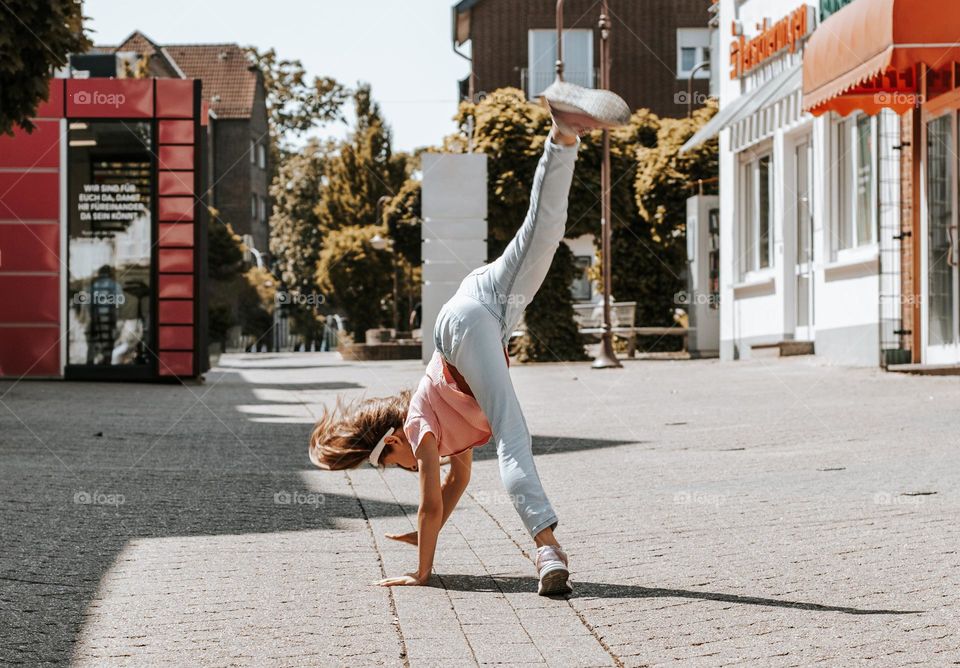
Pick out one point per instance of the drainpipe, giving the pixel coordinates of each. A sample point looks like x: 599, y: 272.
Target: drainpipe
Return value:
x: 916, y: 353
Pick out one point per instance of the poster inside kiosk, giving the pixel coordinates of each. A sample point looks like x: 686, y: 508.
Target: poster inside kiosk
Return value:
x: 109, y: 244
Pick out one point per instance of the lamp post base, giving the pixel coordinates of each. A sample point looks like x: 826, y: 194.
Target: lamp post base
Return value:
x: 606, y: 358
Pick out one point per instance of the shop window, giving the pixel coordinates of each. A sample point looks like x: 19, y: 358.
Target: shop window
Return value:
x: 542, y: 59
x: 855, y: 222
x: 756, y: 215
x: 109, y: 244
x: 693, y: 48
x: 941, y: 239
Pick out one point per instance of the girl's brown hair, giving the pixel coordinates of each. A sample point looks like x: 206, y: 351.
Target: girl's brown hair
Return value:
x: 345, y: 435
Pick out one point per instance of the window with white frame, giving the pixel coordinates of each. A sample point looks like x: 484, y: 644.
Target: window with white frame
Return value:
x: 253, y: 152
x: 855, y: 222
x: 253, y: 207
x: 693, y: 48
x: 261, y: 156
x: 263, y: 209
x: 542, y: 58
x: 755, y: 221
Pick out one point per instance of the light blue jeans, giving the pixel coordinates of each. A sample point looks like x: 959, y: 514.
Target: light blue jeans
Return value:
x: 475, y: 325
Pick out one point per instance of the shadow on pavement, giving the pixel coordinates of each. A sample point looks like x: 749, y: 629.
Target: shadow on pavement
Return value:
x: 552, y: 445
x: 89, y: 468
x: 303, y: 387
x: 480, y: 583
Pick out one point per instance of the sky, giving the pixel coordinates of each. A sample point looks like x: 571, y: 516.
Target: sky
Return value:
x: 401, y: 47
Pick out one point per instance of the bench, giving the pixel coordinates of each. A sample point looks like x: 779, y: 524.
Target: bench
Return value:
x: 589, y: 319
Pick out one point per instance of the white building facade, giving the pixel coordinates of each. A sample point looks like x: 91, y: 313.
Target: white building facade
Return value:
x: 809, y: 207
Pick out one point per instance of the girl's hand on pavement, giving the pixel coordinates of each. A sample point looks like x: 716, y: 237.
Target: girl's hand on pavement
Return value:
x: 408, y: 580
x: 410, y: 538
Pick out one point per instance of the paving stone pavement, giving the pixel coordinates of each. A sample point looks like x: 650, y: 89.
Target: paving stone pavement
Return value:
x: 773, y: 513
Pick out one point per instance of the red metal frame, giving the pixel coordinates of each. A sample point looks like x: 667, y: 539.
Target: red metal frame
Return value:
x: 31, y: 260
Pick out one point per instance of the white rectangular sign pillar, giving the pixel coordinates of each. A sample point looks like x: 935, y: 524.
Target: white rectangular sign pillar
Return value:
x: 454, y: 211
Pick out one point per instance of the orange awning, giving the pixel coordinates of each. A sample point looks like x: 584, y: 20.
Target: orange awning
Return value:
x: 866, y: 55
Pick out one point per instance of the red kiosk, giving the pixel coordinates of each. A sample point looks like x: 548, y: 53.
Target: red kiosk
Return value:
x: 102, y: 243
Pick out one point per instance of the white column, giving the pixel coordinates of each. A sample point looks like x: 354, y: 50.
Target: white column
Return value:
x: 454, y: 211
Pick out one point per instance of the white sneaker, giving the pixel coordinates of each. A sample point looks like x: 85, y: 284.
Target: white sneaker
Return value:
x: 601, y: 108
x: 552, y: 570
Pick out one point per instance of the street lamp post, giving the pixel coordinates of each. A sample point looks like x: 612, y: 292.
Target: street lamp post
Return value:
x: 559, y: 63
x: 606, y: 358
x: 693, y: 73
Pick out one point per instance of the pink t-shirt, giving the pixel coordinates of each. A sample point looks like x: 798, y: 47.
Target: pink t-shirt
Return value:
x: 439, y: 406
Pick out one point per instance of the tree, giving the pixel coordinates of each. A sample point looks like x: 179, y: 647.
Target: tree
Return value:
x: 553, y: 316
x: 35, y: 38
x: 236, y: 297
x: 224, y: 248
x: 356, y: 174
x: 354, y: 276
x: 650, y: 184
x: 361, y: 170
x: 405, y: 228
x: 655, y: 245
x: 295, y: 232
x: 294, y: 105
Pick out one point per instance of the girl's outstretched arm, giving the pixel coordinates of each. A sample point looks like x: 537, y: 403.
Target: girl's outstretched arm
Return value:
x: 430, y: 516
x: 454, y: 485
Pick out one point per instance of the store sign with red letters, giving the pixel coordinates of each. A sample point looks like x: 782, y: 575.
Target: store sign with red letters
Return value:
x: 789, y: 32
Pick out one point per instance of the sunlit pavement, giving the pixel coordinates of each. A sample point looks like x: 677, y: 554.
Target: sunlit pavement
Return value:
x: 774, y: 512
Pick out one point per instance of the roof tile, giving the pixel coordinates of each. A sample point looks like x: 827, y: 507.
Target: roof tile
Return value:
x: 229, y: 78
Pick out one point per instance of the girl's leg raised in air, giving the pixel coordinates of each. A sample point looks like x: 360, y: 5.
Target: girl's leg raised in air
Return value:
x: 510, y: 282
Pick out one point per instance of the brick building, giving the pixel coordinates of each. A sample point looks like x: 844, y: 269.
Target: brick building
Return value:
x: 655, y: 45
x: 238, y: 159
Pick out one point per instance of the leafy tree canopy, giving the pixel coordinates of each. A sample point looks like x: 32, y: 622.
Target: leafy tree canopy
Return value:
x: 361, y: 170
x: 354, y: 275
x: 35, y: 38
x: 294, y: 104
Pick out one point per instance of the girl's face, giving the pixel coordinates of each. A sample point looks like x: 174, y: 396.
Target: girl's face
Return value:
x: 398, y: 452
